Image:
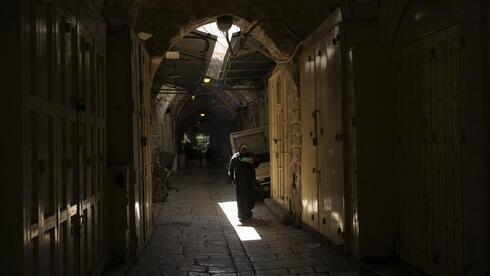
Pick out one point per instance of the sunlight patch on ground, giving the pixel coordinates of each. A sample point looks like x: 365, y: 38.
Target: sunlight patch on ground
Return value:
x: 245, y: 233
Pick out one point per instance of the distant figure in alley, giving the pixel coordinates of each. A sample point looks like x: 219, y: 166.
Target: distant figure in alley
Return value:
x: 242, y: 173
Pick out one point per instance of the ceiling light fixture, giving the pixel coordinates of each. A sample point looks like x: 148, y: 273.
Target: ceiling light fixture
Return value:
x: 193, y: 97
x: 202, y: 114
x: 207, y: 80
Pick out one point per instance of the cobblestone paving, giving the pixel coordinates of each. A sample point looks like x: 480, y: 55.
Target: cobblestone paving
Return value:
x: 193, y: 236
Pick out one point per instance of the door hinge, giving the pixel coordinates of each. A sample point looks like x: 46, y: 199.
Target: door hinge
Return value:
x: 66, y: 25
x: 43, y: 165
x: 339, y: 231
x: 463, y: 137
x: 144, y: 141
x: 461, y: 43
x: 76, y: 225
x: 80, y: 105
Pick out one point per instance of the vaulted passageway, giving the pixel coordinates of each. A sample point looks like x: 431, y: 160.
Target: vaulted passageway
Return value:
x: 370, y: 119
x: 210, y: 83
x: 197, y: 232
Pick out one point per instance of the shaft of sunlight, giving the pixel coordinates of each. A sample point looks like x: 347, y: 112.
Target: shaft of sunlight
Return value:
x: 220, y: 48
x: 245, y: 233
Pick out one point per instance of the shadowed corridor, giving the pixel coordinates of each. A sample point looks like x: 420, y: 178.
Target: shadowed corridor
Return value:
x: 195, y: 235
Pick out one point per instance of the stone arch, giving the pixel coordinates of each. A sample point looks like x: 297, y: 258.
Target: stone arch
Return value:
x: 232, y: 100
x: 419, y: 18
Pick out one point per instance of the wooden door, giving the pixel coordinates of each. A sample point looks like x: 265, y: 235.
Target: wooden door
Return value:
x: 286, y: 91
x: 91, y: 151
x: 279, y: 139
x: 430, y: 152
x: 66, y: 84
x: 140, y: 186
x: 63, y: 187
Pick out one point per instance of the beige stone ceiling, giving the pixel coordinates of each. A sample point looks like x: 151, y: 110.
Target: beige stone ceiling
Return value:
x: 168, y: 20
x: 282, y: 22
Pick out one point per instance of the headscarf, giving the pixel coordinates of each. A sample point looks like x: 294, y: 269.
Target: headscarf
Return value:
x: 244, y: 145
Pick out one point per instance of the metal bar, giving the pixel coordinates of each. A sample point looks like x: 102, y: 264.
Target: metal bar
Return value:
x: 245, y: 70
x: 203, y: 35
x: 172, y: 91
x: 239, y: 62
x: 202, y: 58
x: 180, y: 74
x: 198, y: 72
x: 201, y: 38
x: 243, y: 89
x: 172, y: 86
x: 245, y: 77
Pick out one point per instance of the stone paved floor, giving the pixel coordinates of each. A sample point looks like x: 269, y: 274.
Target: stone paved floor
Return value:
x: 194, y: 236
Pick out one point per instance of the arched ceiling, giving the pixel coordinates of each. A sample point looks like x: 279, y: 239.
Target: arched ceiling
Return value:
x: 215, y: 110
x: 167, y: 20
x: 241, y: 77
x: 170, y: 19
x: 421, y: 17
x: 279, y: 25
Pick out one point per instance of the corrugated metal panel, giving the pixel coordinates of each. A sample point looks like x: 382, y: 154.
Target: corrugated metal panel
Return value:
x: 326, y: 48
x: 330, y: 146
x: 148, y: 157
x: 130, y: 141
x: 351, y: 155
x: 321, y: 112
x: 369, y: 139
x: 141, y: 131
x: 288, y: 86
x: 309, y: 188
x: 430, y: 155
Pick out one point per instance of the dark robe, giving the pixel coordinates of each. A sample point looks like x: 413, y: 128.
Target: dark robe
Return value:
x: 242, y: 172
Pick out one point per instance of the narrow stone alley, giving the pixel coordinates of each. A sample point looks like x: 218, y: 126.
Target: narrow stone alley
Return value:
x: 197, y: 232
x: 369, y: 122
